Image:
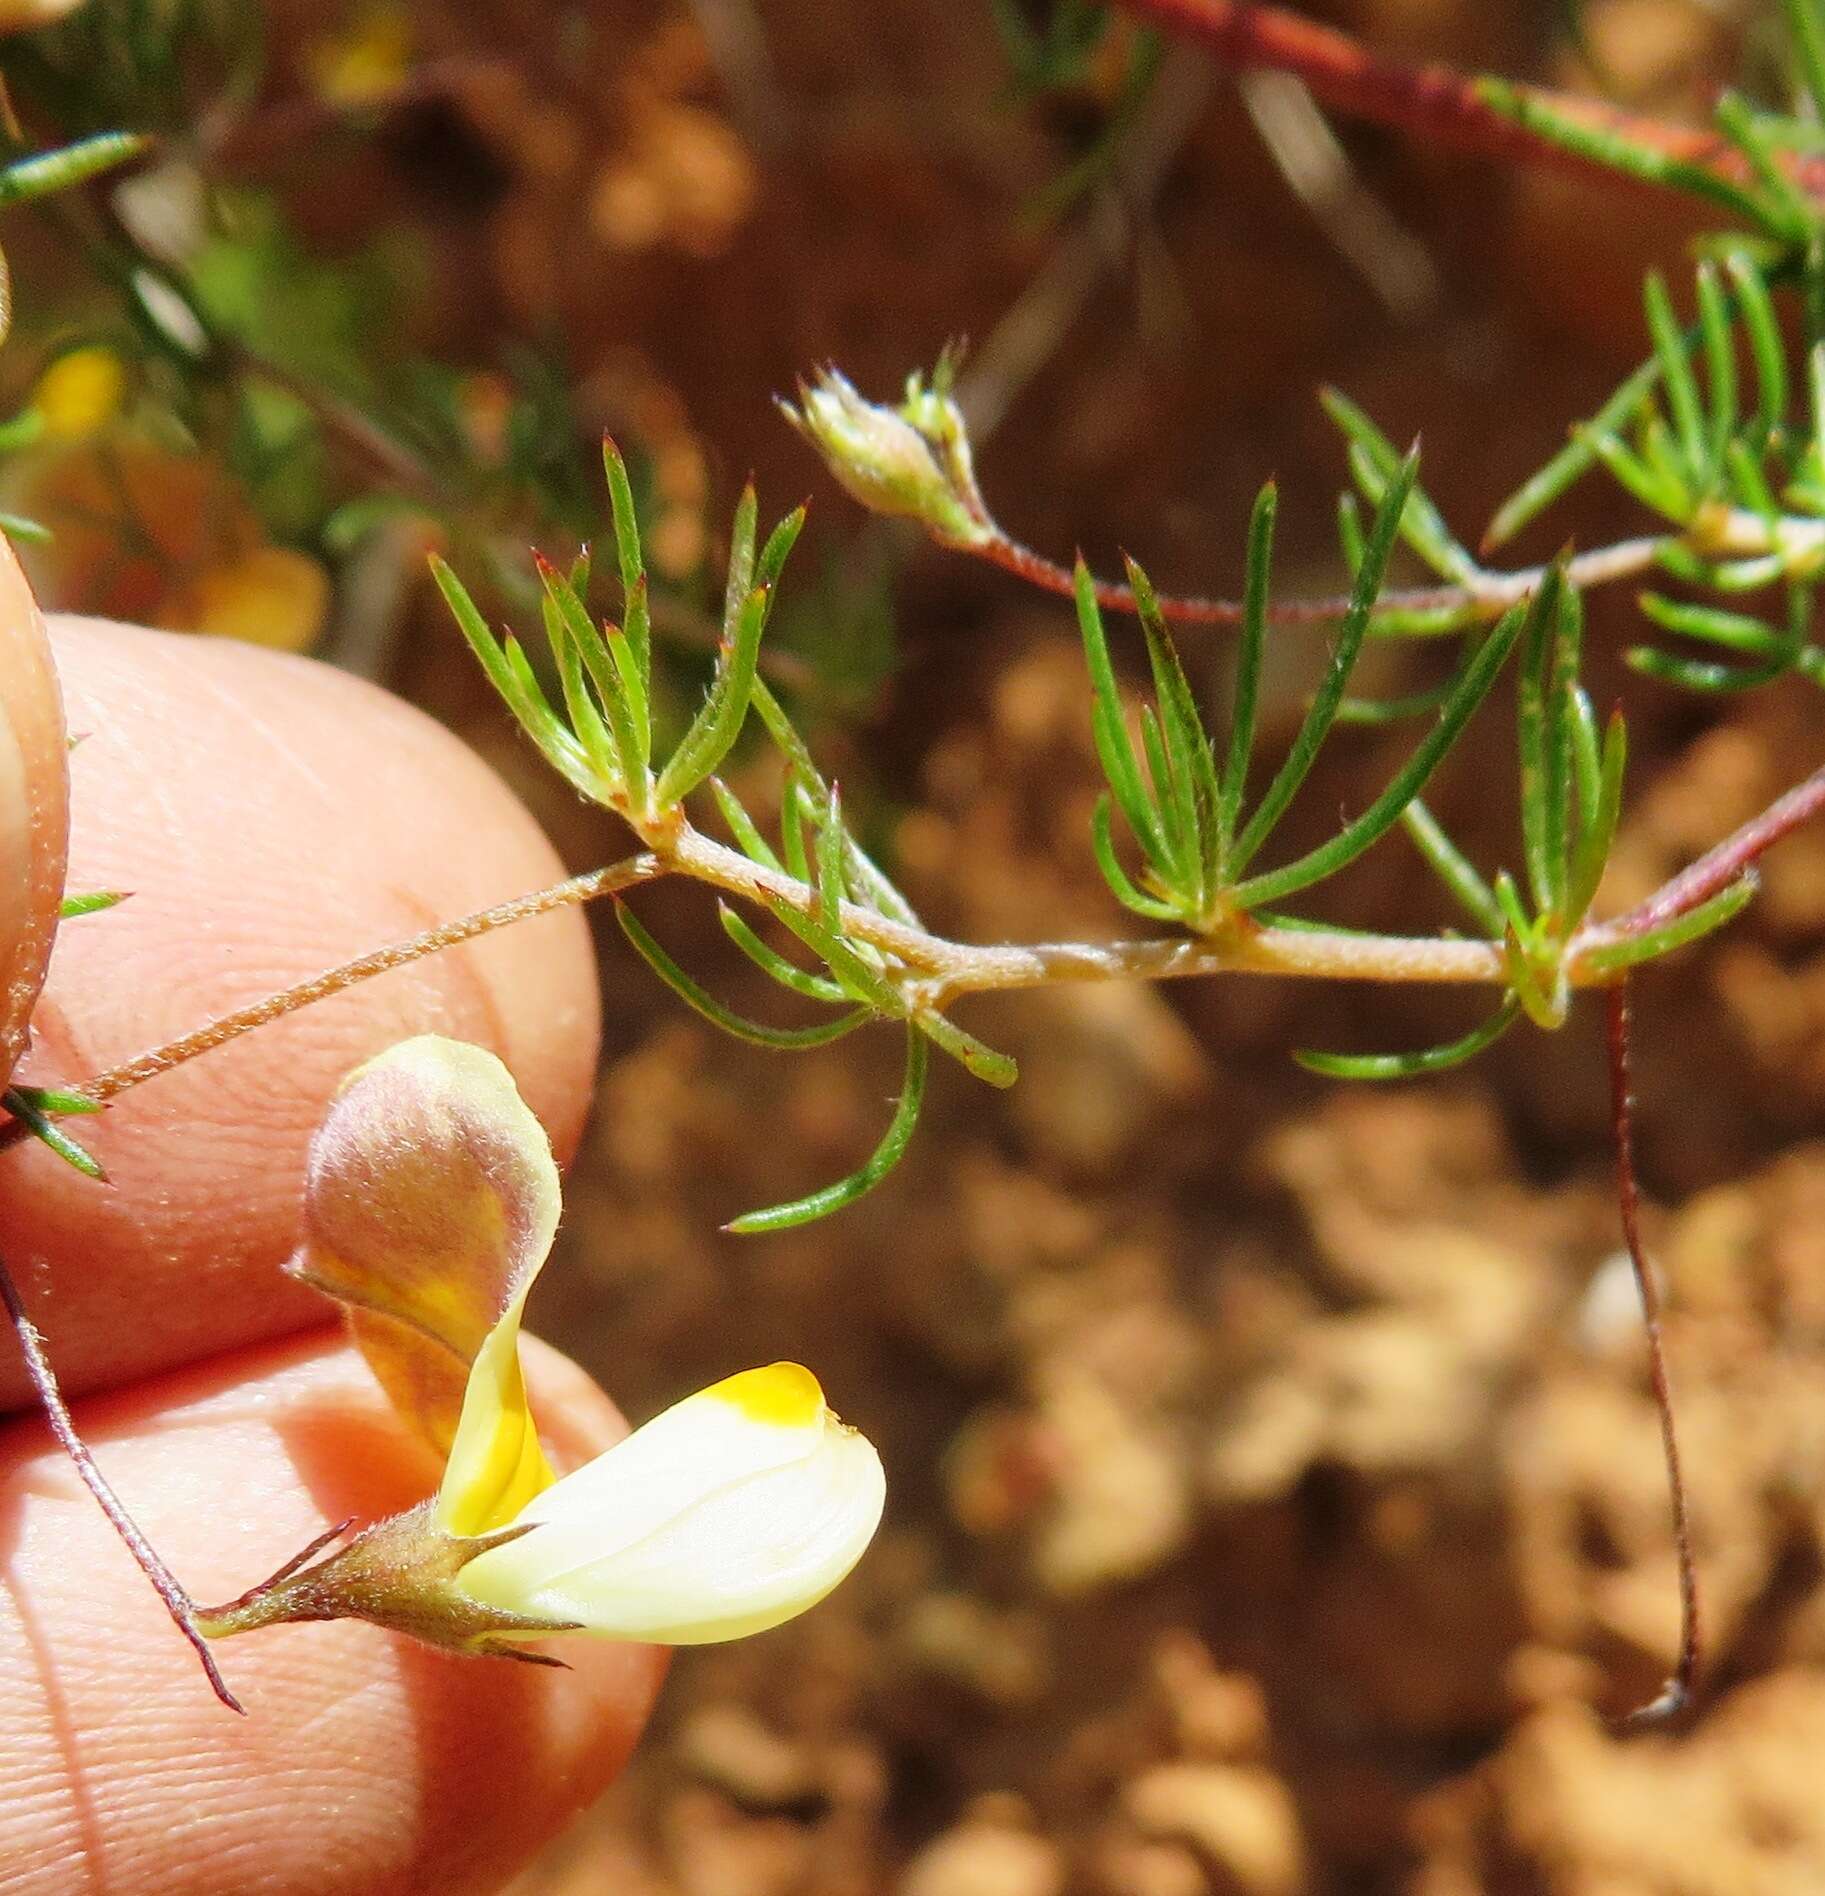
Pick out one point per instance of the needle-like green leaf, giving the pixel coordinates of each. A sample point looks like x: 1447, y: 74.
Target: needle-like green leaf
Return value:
x: 1350, y: 634
x: 772, y: 963
x: 1384, y: 812
x: 982, y: 1062
x: 885, y: 1157
x: 740, y: 581
x: 1102, y: 844
x: 1532, y: 677
x: 742, y: 826
x: 1681, y: 385
x: 92, y: 903
x: 1110, y: 730
x: 628, y: 555
x: 1766, y: 350
x: 1453, y: 868
x: 1606, y: 146
x: 1402, y: 1066
x: 1599, y: 832
x: 1713, y: 914
x: 1256, y: 585
x: 1188, y: 748
x: 701, y: 1001
x: 718, y: 723
x: 25, y: 1105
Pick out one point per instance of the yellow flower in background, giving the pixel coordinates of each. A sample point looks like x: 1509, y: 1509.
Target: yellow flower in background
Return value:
x: 80, y: 393
x: 430, y: 1203
x: 272, y: 596
x: 367, y: 62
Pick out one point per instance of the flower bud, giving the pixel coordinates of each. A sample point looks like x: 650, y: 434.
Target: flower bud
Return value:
x: 912, y: 461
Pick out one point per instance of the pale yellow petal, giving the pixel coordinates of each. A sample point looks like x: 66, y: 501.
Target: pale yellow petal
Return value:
x: 733, y: 1511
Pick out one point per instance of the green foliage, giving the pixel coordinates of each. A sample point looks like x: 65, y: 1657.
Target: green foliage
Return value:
x: 1056, y: 48
x: 880, y: 1162
x: 34, y: 1107
x: 267, y: 356
x: 44, y: 173
x: 818, y: 884
x: 1184, y: 812
x: 147, y: 65
x: 91, y: 904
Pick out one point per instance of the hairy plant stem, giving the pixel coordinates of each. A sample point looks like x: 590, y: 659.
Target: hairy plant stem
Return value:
x: 1676, y: 1694
x: 114, y: 1080
x: 1488, y: 594
x: 1435, y: 103
x: 165, y: 1583
x: 1722, y: 864
x: 938, y: 970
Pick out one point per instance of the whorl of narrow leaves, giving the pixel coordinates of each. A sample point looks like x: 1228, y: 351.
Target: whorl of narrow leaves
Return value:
x: 598, y: 730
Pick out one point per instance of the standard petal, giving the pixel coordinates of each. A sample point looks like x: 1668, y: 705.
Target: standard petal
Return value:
x: 738, y: 1508
x: 431, y: 1199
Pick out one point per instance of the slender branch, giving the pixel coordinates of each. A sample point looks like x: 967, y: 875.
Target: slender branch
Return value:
x: 115, y: 1080
x: 1676, y: 1694
x: 165, y: 1583
x: 941, y: 969
x: 1718, y: 867
x: 1490, y: 594
x: 1435, y: 103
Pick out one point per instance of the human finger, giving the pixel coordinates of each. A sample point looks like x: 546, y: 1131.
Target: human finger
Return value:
x: 272, y: 817
x: 366, y: 1763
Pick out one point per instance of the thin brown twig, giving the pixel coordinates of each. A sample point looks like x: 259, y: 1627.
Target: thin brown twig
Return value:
x: 1676, y: 1694
x: 115, y: 1080
x: 1435, y: 102
x: 165, y: 1583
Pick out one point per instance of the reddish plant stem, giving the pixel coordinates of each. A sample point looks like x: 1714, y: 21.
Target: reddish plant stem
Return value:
x: 1494, y: 592
x: 1676, y: 1694
x: 1181, y: 608
x: 1718, y: 867
x: 1434, y: 103
x: 165, y: 1583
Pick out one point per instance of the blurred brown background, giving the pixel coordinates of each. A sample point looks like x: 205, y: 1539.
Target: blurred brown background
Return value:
x: 1275, y: 1502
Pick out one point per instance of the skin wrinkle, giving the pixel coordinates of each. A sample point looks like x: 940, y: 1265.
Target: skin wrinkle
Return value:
x: 76, y: 1804
x: 269, y: 733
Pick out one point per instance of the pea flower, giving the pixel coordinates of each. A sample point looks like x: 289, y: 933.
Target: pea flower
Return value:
x: 431, y: 1200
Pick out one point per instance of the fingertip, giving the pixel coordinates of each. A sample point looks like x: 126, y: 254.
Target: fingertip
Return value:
x: 366, y: 1763
x: 275, y: 818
